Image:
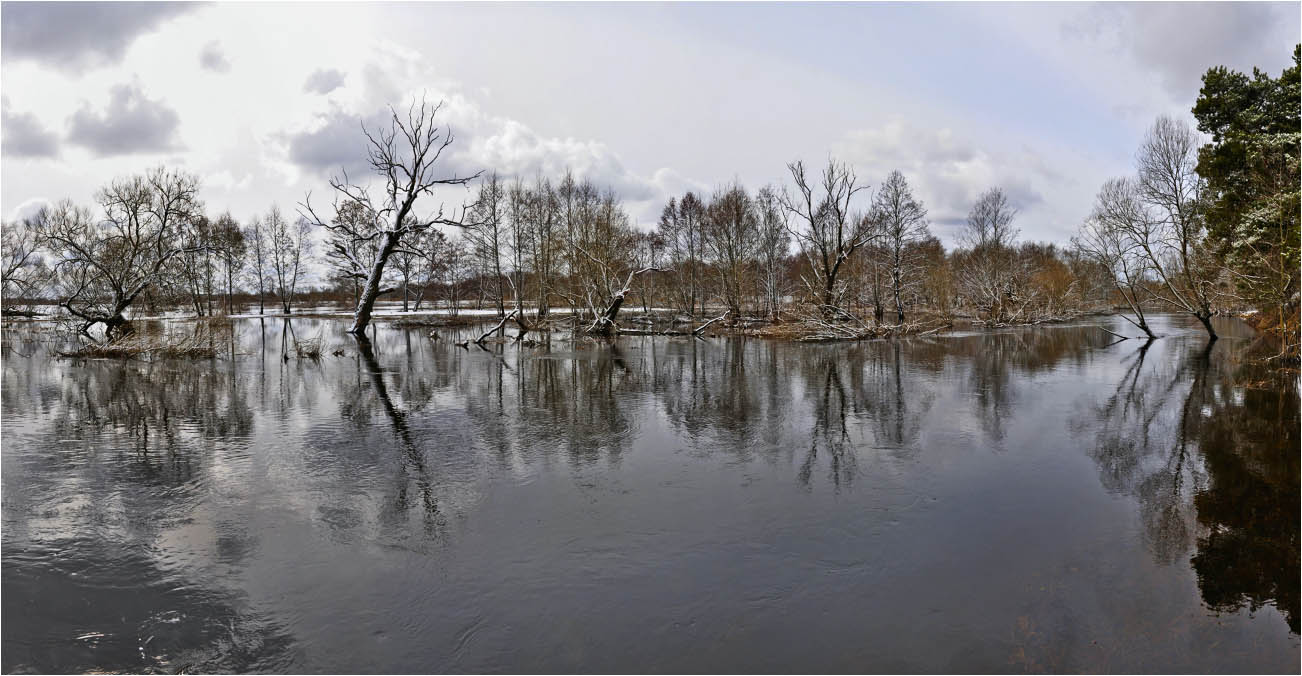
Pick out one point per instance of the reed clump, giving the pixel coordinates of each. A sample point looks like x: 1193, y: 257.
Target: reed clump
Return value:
x: 200, y: 344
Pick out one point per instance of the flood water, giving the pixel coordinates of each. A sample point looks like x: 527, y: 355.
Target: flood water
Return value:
x: 1038, y: 499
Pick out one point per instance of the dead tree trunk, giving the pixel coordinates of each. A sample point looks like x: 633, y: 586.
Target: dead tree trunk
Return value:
x: 604, y: 324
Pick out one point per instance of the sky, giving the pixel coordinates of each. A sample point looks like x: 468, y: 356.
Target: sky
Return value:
x: 265, y: 101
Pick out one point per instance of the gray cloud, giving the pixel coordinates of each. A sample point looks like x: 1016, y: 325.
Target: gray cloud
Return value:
x: 131, y: 123
x: 74, y: 35
x: 335, y: 143
x: 212, y: 58
x: 25, y: 136
x: 1180, y: 41
x: 323, y: 81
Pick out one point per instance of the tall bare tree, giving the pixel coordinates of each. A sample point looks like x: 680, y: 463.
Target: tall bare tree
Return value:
x: 1169, y: 182
x: 985, y: 272
x: 289, y: 246
x: 731, y: 236
x: 825, y: 229
x: 773, y: 244
x: 406, y: 156
x: 230, y: 246
x: 488, y: 237
x: 903, y: 223
x: 259, y: 261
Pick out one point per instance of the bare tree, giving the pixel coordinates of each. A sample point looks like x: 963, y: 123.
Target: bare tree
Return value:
x: 681, y: 222
x: 1107, y: 238
x: 104, y: 266
x: 1187, y: 272
x: 352, y: 245
x: 519, y: 207
x: 488, y: 237
x: 903, y: 223
x: 985, y: 273
x: 544, y: 213
x: 259, y: 262
x: 289, y: 245
x: 773, y: 245
x: 230, y: 246
x: 454, y: 273
x: 23, y: 272
x: 191, y: 273
x: 826, y: 231
x: 731, y: 235
x: 406, y: 156
x: 599, y: 248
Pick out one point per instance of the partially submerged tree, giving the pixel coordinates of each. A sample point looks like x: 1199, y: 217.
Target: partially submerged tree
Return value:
x: 1186, y: 271
x: 289, y: 245
x: 259, y: 261
x: 103, y: 266
x: 230, y: 246
x: 1106, y: 237
x: 406, y: 156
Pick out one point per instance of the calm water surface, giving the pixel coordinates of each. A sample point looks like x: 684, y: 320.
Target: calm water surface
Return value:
x: 1027, y: 500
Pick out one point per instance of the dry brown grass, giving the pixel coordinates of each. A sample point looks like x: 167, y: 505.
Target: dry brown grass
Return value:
x: 197, y: 345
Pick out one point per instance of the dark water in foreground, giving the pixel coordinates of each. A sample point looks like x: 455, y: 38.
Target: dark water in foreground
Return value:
x: 1031, y: 500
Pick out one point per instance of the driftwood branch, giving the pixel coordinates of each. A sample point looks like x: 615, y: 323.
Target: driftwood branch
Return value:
x: 1114, y: 333
x: 480, y: 340
x: 701, y: 329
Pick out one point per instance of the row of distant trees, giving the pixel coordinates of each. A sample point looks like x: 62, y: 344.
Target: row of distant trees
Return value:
x: 532, y: 246
x: 1200, y: 228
